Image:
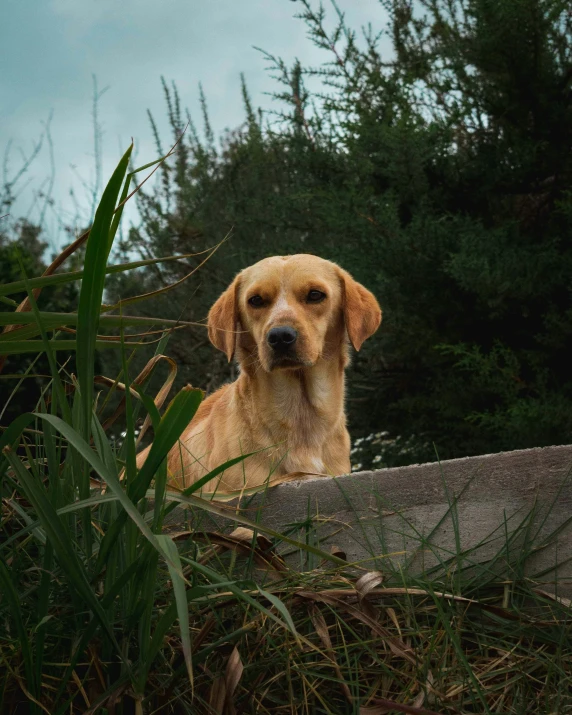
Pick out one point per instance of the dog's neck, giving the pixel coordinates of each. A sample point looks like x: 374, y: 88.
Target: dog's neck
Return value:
x: 308, y: 402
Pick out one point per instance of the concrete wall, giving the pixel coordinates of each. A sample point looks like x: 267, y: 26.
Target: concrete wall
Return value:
x: 376, y: 516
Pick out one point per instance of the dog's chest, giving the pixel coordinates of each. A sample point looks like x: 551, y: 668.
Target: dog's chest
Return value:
x: 300, y: 423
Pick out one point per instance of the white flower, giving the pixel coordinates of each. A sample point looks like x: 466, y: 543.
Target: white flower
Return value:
x: 357, y: 466
x: 358, y: 441
x: 377, y: 459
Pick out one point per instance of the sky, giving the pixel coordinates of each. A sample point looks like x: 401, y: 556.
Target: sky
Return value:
x: 50, y: 51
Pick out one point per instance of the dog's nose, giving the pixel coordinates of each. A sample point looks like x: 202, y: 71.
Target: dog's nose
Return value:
x: 281, y: 339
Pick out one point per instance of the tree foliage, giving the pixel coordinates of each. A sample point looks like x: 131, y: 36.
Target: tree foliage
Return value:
x: 22, y: 253
x: 440, y: 175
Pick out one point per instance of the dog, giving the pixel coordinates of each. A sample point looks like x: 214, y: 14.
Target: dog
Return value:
x: 287, y: 320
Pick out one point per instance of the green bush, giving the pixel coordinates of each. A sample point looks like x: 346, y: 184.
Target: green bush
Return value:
x: 441, y: 177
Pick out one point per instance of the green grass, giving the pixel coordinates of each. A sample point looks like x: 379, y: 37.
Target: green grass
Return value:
x: 115, y: 599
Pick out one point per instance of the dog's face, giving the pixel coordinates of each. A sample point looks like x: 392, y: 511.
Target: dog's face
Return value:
x: 287, y: 312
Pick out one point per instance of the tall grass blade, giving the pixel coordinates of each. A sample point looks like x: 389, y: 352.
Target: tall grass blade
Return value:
x: 112, y: 480
x: 13, y: 598
x: 172, y: 557
x: 177, y: 416
x: 60, y: 538
x: 96, y: 255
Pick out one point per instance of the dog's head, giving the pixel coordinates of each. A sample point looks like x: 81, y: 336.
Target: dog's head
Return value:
x: 287, y: 312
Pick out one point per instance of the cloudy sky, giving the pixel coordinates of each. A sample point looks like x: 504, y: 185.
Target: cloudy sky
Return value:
x: 51, y: 49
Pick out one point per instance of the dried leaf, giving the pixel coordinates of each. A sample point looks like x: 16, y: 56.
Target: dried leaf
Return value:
x: 336, y: 551
x: 217, y: 696
x: 164, y: 289
x: 222, y: 690
x: 391, y: 613
x: 110, y: 702
x: 368, y: 582
x: 234, y: 670
x: 364, y: 585
x: 81, y: 689
x: 139, y: 380
x: 244, y: 534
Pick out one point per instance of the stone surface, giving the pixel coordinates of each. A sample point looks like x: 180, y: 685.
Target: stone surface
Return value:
x: 480, y: 503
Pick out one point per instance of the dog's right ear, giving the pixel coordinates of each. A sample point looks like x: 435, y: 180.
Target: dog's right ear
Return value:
x: 223, y: 319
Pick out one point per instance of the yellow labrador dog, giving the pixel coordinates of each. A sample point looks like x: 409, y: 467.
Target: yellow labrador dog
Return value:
x: 287, y: 321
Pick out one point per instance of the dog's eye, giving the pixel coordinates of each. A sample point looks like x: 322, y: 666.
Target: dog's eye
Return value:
x: 315, y: 296
x: 257, y: 301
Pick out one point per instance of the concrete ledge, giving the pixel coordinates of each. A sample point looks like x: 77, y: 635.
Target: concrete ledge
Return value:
x: 381, y: 515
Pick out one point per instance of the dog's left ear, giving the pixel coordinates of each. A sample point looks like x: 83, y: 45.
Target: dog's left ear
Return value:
x: 362, y: 313
x: 223, y: 319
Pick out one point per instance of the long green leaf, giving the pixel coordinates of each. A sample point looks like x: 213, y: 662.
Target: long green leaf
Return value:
x: 31, y: 525
x: 109, y: 321
x: 70, y: 277
x: 118, y: 212
x: 281, y: 608
x: 172, y: 555
x: 20, y: 347
x: 460, y: 651
x: 90, y: 297
x: 239, y: 593
x: 42, y: 616
x: 68, y: 509
x: 161, y: 476
x: 124, y: 194
x: 99, y: 246
x: 209, y: 477
x: 177, y: 416
x: 11, y: 435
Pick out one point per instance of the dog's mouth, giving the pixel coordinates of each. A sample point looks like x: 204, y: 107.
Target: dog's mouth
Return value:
x: 288, y: 362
